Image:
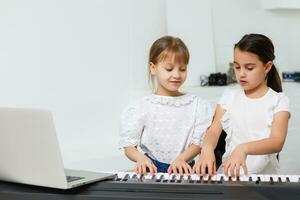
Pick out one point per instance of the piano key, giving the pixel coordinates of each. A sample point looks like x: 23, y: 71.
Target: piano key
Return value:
x: 282, y: 178
x: 126, y: 177
x: 172, y: 178
x: 186, y: 177
x: 219, y: 177
x: 214, y: 178
x: 205, y: 178
x: 234, y: 178
x: 274, y: 178
x: 253, y: 177
x: 121, y: 175
x: 226, y: 178
x: 178, y: 177
x: 244, y: 178
x: 294, y: 178
x: 132, y: 174
x: 149, y: 176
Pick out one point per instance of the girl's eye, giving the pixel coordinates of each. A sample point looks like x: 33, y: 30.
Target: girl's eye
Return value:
x: 183, y: 69
x: 249, y: 68
x: 168, y: 69
x: 237, y: 67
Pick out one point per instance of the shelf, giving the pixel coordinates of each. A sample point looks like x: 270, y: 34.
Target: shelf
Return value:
x: 281, y: 4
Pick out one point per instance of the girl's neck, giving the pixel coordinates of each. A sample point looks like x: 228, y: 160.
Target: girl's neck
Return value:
x: 169, y: 93
x: 258, y: 91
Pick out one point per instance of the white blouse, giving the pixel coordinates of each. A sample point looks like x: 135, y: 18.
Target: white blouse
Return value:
x: 164, y: 126
x: 249, y: 119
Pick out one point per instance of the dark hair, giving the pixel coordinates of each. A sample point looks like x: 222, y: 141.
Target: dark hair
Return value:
x: 163, y: 47
x: 263, y: 47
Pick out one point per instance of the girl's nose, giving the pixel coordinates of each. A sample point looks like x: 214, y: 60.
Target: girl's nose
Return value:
x: 176, y: 74
x: 242, y: 72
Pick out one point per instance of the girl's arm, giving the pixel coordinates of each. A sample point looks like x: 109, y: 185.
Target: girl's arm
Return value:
x: 207, y: 158
x: 270, y: 145
x: 142, y: 161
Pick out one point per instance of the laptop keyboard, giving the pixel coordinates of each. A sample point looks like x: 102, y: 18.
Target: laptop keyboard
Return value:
x: 73, y: 178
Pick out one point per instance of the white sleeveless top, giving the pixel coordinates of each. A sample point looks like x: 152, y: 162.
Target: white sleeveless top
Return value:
x: 164, y: 126
x: 249, y: 119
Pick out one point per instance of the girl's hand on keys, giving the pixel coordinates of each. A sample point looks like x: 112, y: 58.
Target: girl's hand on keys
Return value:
x: 179, y: 166
x: 236, y: 160
x: 144, y: 163
x: 206, y: 164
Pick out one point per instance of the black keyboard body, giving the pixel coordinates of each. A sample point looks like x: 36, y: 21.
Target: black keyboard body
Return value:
x: 153, y: 189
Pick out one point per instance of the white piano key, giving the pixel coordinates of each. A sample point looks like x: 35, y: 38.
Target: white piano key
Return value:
x: 158, y: 175
x: 138, y: 176
x: 283, y: 178
x: 171, y: 177
x: 178, y: 177
x: 121, y: 174
x: 166, y: 176
x: 214, y: 178
x: 266, y: 177
x: 205, y: 178
x: 219, y: 177
x: 185, y: 177
x: 131, y: 174
x: 148, y: 176
x: 274, y: 177
x: 294, y: 178
x: 234, y: 178
x: 195, y: 177
x: 244, y: 178
x: 225, y: 178
x: 253, y: 177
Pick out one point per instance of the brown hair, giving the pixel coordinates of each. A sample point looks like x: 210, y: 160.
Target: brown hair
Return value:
x: 163, y: 47
x: 263, y: 47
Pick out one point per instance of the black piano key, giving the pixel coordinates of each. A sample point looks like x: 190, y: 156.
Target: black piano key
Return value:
x: 173, y: 179
x: 180, y: 179
x: 187, y: 180
x: 159, y: 179
x: 134, y: 176
x: 288, y: 179
x: 221, y: 179
x: 126, y: 177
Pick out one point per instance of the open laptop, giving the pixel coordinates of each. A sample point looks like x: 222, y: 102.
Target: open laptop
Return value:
x: 30, y: 153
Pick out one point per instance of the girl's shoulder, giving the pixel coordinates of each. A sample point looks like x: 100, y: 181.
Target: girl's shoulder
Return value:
x: 280, y: 101
x: 229, y: 93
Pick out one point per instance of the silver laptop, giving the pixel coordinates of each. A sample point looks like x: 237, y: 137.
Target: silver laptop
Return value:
x: 30, y: 153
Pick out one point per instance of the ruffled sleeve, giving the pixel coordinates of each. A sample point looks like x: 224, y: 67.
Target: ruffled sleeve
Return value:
x: 202, y: 122
x: 131, y: 125
x: 226, y: 97
x: 282, y: 104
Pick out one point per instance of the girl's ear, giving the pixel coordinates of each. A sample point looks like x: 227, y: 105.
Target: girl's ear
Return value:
x: 269, y: 66
x: 152, y: 68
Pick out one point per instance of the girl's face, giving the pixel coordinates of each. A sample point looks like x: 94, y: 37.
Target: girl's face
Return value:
x: 169, y: 75
x: 250, y: 71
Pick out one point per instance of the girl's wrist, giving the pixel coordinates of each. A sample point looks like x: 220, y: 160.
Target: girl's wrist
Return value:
x: 207, y: 148
x: 244, y: 148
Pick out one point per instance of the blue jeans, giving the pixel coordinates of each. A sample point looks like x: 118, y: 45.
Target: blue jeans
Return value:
x: 163, y: 167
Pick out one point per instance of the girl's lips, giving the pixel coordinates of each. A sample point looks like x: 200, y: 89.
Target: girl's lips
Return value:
x: 243, y: 82
x: 175, y: 82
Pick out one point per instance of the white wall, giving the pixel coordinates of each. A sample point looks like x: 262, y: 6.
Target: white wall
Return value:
x: 234, y: 18
x: 80, y: 59
x: 191, y: 21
